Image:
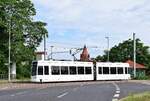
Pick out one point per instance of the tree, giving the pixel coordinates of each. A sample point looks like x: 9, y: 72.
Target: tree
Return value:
x: 124, y: 51
x: 26, y: 34
x: 3, y: 50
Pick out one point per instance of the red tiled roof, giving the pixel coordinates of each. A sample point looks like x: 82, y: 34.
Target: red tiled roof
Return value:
x: 139, y: 66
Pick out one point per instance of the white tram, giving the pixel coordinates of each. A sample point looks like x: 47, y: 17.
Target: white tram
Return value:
x: 55, y: 71
x: 112, y: 71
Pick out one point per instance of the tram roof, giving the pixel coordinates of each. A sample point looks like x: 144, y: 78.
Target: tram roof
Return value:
x: 63, y: 62
x: 111, y: 64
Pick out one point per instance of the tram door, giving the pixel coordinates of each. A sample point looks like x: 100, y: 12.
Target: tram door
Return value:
x: 94, y: 72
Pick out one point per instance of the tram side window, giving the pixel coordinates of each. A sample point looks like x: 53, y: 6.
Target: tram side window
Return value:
x: 34, y: 68
x: 72, y: 70
x: 64, y: 70
x: 55, y: 70
x: 88, y: 70
x: 105, y: 70
x: 99, y: 70
x: 126, y: 70
x: 80, y: 70
x: 40, y: 70
x: 46, y: 70
x: 113, y: 70
x: 120, y: 70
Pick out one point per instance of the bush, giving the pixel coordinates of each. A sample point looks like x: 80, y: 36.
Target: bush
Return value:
x: 140, y: 75
x: 23, y: 72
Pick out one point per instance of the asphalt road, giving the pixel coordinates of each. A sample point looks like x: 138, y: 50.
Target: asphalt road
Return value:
x: 80, y: 92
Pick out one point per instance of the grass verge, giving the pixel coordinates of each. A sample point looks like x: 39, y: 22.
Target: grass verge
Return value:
x: 138, y: 97
x: 3, y: 81
x: 15, y: 81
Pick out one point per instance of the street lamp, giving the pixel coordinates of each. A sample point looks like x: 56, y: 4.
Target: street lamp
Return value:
x: 134, y: 53
x: 107, y: 48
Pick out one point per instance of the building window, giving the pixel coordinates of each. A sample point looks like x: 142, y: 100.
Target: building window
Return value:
x: 88, y: 70
x: 40, y: 70
x: 80, y: 70
x: 120, y: 70
x: 113, y: 70
x: 55, y: 70
x: 99, y: 70
x: 105, y: 70
x: 46, y: 70
x: 72, y: 70
x: 64, y: 70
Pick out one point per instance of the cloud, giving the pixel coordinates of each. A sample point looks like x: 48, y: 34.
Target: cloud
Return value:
x: 90, y: 21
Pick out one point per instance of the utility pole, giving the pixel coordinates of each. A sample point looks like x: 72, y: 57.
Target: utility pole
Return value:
x: 9, y: 45
x: 107, y: 48
x: 52, y: 51
x: 9, y: 48
x: 134, y: 53
x: 44, y: 48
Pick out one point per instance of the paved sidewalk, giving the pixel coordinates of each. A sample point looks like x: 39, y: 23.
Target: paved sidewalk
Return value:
x: 19, y: 86
x: 7, y: 86
x: 147, y: 82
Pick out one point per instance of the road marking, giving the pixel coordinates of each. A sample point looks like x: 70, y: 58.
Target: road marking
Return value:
x: 116, y: 95
x: 12, y: 95
x: 60, y: 96
x: 20, y: 93
x: 117, y: 87
x: 118, y: 91
x: 114, y: 99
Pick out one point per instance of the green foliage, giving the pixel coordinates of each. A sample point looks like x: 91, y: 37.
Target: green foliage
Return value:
x: 99, y: 58
x: 23, y: 71
x: 137, y: 97
x: 141, y: 76
x: 26, y: 34
x: 124, y: 51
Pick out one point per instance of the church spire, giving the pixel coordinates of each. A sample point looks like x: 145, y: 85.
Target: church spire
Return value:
x: 85, y: 55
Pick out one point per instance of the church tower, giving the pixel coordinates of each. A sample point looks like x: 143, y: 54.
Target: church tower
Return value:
x: 85, y: 55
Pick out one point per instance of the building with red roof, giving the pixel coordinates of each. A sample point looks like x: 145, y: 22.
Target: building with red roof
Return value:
x: 138, y: 66
x: 140, y: 69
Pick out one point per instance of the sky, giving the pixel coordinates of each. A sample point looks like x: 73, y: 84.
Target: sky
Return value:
x: 75, y: 23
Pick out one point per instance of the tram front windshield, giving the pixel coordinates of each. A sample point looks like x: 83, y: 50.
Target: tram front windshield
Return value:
x: 34, y: 68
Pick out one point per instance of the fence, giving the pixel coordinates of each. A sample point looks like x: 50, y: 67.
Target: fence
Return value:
x: 3, y: 76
